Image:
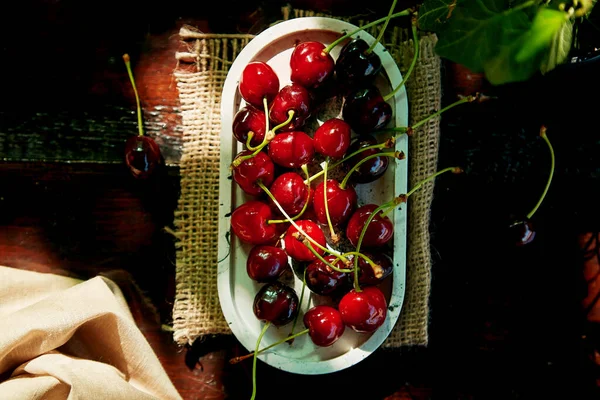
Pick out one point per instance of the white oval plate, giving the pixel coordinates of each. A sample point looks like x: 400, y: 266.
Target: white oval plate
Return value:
x: 236, y: 290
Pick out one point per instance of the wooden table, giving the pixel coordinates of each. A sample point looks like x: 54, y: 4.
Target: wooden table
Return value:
x: 506, y: 322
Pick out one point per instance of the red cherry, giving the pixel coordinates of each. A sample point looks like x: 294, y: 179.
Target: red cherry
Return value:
x: 276, y: 302
x: 370, y: 170
x: 325, y: 325
x: 310, y: 65
x: 249, y: 222
x: 521, y: 231
x: 294, y: 246
x: 258, y: 81
x: 324, y: 280
x: 355, y: 67
x: 332, y: 138
x: 291, y: 193
x: 365, y: 110
x: 292, y: 97
x: 291, y: 149
x: 363, y: 311
x: 249, y: 119
x: 341, y: 203
x: 250, y: 171
x: 142, y: 156
x: 379, y: 231
x: 266, y: 263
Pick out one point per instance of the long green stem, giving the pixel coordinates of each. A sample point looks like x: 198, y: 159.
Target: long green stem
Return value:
x: 137, y: 97
x: 456, y: 170
x: 415, y: 34
x: 334, y: 236
x: 552, y: 164
x: 236, y: 360
x: 262, y: 333
x: 383, y: 28
x: 395, y: 154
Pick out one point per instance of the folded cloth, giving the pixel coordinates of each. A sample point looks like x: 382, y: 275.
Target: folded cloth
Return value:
x: 63, y: 338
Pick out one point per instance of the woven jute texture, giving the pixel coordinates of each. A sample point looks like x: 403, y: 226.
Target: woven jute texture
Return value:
x: 200, y: 75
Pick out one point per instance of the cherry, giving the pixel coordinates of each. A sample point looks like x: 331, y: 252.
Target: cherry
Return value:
x: 291, y: 192
x: 364, y: 311
x: 276, y: 303
x: 365, y: 110
x: 292, y: 149
x: 332, y: 138
x: 369, y: 274
x: 142, y: 154
x: 296, y: 243
x: 266, y: 263
x: 249, y: 120
x: 324, y: 280
x: 310, y: 65
x: 373, y: 168
x: 325, y: 325
x: 290, y: 107
x: 341, y: 202
x: 379, y: 231
x: 251, y: 170
x: 250, y: 223
x: 357, y: 66
x: 258, y: 83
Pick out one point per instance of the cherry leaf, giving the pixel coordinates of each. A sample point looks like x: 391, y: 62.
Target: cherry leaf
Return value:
x: 434, y: 14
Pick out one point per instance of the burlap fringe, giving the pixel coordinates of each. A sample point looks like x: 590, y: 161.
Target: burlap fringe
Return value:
x: 196, y: 310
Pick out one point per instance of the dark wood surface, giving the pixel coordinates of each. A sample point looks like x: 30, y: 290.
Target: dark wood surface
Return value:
x: 506, y: 322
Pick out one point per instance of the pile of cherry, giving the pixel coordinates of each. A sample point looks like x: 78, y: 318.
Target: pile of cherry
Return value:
x: 293, y: 213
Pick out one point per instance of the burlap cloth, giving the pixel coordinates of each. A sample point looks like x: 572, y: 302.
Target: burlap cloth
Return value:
x: 200, y: 75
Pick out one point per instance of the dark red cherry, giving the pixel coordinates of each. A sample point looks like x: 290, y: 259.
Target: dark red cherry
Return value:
x: 254, y: 169
x: 249, y: 222
x: 355, y: 67
x: 276, y: 302
x: 370, y: 170
x: 292, y: 149
x: 294, y: 240
x: 379, y: 231
x: 324, y: 280
x: 266, y: 263
x: 332, y: 138
x: 310, y: 65
x: 341, y: 203
x: 373, y: 275
x: 325, y: 325
x: 291, y: 98
x: 291, y: 193
x: 363, y: 311
x: 258, y: 81
x: 142, y: 156
x: 249, y: 119
x: 522, y: 231
x: 366, y: 111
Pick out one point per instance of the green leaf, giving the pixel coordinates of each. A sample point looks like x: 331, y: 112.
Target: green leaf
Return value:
x: 546, y: 24
x: 560, y: 48
x: 433, y: 14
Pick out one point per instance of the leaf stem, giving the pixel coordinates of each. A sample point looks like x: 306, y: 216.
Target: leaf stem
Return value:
x: 552, y: 165
x: 137, y: 97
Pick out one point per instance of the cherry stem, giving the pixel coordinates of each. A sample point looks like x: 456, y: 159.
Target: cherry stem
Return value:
x: 415, y: 35
x: 403, y: 13
x: 262, y: 333
x: 137, y: 97
x: 552, y: 164
x: 394, y: 154
x: 381, y: 32
x: 308, y: 188
x: 454, y: 170
x: 334, y: 236
x: 290, y: 117
x: 340, y: 257
x: 267, y: 137
x: 236, y: 360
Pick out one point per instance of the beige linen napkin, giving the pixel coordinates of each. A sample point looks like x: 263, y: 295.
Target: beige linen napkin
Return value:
x: 62, y: 338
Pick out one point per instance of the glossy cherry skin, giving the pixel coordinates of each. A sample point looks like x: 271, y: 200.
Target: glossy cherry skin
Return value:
x: 521, y: 231
x: 332, y: 138
x: 367, y: 275
x: 341, y: 203
x: 370, y: 170
x: 324, y: 280
x: 292, y: 97
x: 354, y: 66
x: 258, y: 81
x: 366, y: 111
x: 249, y: 119
x: 291, y: 193
x: 363, y: 311
x: 379, y: 232
x: 142, y: 156
x: 296, y: 249
x: 250, y: 171
x: 292, y: 149
x: 325, y: 325
x: 310, y: 65
x: 249, y: 222
x: 276, y: 302
x: 266, y: 263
